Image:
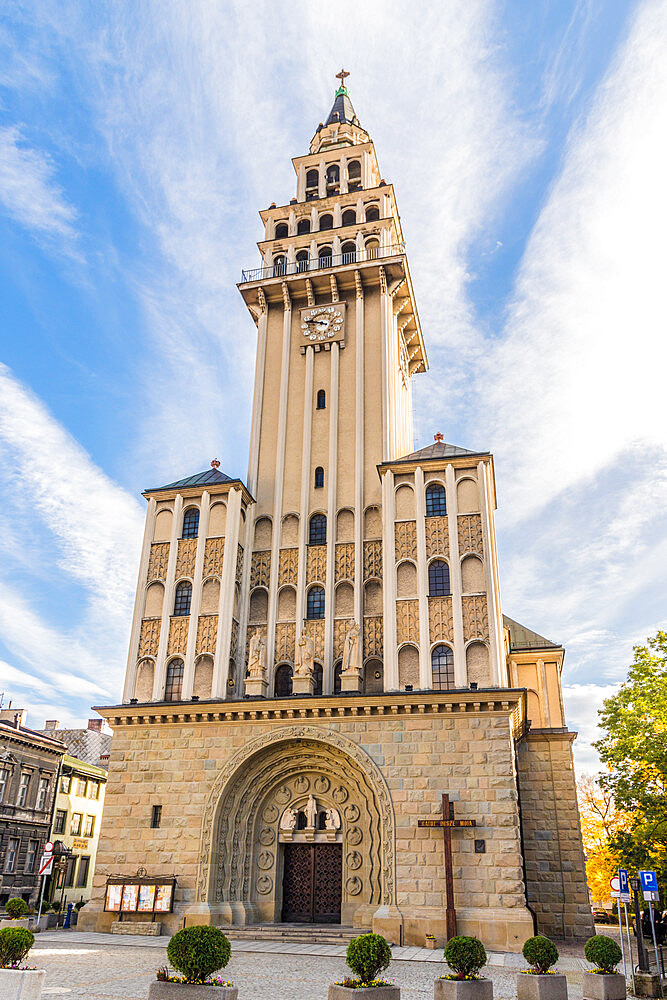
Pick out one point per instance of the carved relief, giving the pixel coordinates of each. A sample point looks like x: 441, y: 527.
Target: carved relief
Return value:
x: 258, y: 629
x: 440, y: 619
x: 157, y: 563
x: 470, y: 534
x: 213, y: 555
x: 437, y: 536
x: 373, y: 560
x: 149, y: 637
x: 340, y: 628
x: 345, y: 561
x: 407, y: 621
x: 406, y: 540
x: 475, y: 618
x: 316, y: 563
x: 373, y: 637
x: 315, y: 630
x: 260, y: 569
x: 239, y: 563
x: 234, y: 639
x: 288, y: 566
x: 178, y: 635
x: 185, y: 557
x: 285, y: 641
x: 207, y: 632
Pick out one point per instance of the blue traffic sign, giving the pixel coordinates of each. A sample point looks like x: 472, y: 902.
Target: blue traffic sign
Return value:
x: 623, y: 880
x: 649, y: 881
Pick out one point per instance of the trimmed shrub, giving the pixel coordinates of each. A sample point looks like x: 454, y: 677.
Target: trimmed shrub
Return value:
x: 198, y: 951
x: 465, y: 955
x: 368, y: 955
x: 603, y: 952
x: 15, y: 943
x: 541, y: 953
x: 16, y: 908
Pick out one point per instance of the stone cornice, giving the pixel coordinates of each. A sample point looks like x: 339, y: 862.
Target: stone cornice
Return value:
x: 402, y: 465
x: 189, y: 492
x: 26, y: 738
x: 565, y: 735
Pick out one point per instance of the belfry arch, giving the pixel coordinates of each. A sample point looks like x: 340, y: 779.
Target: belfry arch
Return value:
x: 243, y: 847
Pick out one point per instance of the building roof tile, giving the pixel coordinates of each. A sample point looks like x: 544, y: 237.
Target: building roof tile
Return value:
x: 524, y: 638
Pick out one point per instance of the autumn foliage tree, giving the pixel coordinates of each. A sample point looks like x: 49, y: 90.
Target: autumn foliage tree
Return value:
x: 600, y: 822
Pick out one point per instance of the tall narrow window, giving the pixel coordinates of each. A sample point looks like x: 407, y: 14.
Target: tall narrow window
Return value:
x: 75, y: 824
x: 283, y: 685
x: 317, y: 534
x: 24, y: 785
x: 42, y: 793
x: 281, y: 230
x: 321, y: 399
x: 183, y: 598
x: 436, y: 500
x: 372, y: 249
x: 190, y: 523
x: 442, y: 666
x: 279, y: 265
x: 354, y: 175
x: 318, y: 674
x: 303, y: 226
x: 174, y: 686
x: 31, y: 855
x: 349, y: 217
x: 315, y: 603
x: 349, y: 252
x: 324, y: 256
x: 12, y: 853
x: 438, y: 579
x: 302, y: 260
x: 89, y: 828
x: 326, y: 221
x: 338, y: 670
x: 156, y: 817
x: 372, y: 213
x: 319, y: 477
x: 60, y: 821
x: 333, y: 179
x: 82, y: 877
x: 312, y: 185
x: 4, y: 781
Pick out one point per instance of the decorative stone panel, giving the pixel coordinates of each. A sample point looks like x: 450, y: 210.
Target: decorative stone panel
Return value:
x: 239, y: 563
x: 288, y: 567
x: 234, y: 639
x: 285, y: 641
x: 260, y: 569
x: 475, y: 618
x: 185, y: 557
x: 157, y: 563
x: 437, y: 536
x: 440, y: 619
x: 178, y: 635
x: 345, y: 561
x: 316, y: 563
x: 213, y: 556
x: 373, y: 636
x: 470, y: 534
x: 149, y: 637
x: 207, y: 632
x: 406, y: 540
x: 341, y: 626
x: 407, y: 621
x: 315, y: 630
x: 373, y: 560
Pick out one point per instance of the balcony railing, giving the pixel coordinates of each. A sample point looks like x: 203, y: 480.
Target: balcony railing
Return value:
x: 322, y: 263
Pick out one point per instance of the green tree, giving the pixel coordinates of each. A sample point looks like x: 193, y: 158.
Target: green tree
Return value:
x: 634, y: 749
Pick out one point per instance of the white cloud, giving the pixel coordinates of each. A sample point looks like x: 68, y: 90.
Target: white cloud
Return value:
x: 582, y: 702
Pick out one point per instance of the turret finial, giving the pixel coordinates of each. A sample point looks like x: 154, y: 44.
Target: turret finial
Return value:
x: 342, y: 76
x: 215, y: 464
x: 438, y: 437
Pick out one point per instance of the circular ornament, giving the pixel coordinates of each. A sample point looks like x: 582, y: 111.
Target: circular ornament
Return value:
x: 266, y: 836
x: 265, y: 860
x: 353, y: 886
x: 270, y: 814
x: 301, y: 785
x: 352, y: 812
x: 355, y: 836
x: 322, y: 784
x: 354, y: 860
x: 283, y: 795
x: 339, y: 795
x: 264, y: 884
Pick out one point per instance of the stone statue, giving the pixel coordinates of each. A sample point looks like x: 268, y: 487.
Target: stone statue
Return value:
x: 257, y: 656
x: 332, y: 820
x: 351, y: 651
x: 305, y: 652
x: 288, y: 819
x: 311, y: 812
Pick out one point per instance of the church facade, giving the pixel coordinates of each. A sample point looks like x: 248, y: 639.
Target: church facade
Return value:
x: 319, y: 654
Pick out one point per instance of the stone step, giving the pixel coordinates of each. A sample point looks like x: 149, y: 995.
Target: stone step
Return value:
x: 294, y: 933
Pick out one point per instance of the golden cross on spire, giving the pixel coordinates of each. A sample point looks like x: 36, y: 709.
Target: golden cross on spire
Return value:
x: 341, y: 76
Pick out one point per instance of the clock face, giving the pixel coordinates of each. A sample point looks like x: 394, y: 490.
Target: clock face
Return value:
x: 322, y: 323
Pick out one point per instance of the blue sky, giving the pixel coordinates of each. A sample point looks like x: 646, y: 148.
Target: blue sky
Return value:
x: 527, y: 143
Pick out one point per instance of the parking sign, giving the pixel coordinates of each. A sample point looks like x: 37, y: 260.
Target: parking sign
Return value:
x: 624, y: 886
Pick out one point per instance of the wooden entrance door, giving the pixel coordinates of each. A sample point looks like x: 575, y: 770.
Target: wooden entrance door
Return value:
x: 312, y: 883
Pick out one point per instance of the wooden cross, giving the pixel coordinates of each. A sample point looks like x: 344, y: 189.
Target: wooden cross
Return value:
x: 446, y: 824
x: 341, y: 76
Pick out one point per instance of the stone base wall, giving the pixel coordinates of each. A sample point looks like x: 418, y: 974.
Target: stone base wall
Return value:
x: 555, y: 868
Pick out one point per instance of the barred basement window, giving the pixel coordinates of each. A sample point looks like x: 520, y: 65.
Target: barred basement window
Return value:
x: 190, y: 523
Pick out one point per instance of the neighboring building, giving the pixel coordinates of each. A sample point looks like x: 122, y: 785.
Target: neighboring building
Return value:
x: 29, y: 765
x: 90, y: 745
x: 318, y: 656
x: 76, y: 823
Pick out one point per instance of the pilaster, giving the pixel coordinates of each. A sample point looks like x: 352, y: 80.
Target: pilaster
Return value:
x: 227, y: 591
x: 258, y: 395
x: 389, y: 582
x: 195, y: 604
x: 168, y: 604
x: 496, y: 646
x: 139, y: 601
x: 306, y: 473
x: 425, y: 678
x: 456, y: 585
x: 331, y: 520
x: 359, y: 455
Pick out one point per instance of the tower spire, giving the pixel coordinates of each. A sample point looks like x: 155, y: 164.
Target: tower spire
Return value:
x: 342, y: 110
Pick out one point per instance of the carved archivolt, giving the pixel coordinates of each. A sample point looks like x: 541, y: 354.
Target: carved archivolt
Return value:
x: 207, y: 632
x: 373, y: 636
x: 149, y: 637
x: 470, y: 534
x: 214, y: 552
x: 345, y: 561
x: 437, y: 536
x: 185, y: 557
x: 316, y: 563
x: 407, y: 621
x: 178, y: 635
x: 157, y: 563
x: 239, y: 849
x: 440, y: 619
x: 475, y: 618
x: 260, y: 569
x: 315, y: 630
x: 406, y: 540
x: 373, y: 560
x: 288, y: 567
x: 285, y: 641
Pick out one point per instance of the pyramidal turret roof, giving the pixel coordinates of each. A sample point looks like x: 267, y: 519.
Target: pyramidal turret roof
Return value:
x: 524, y: 638
x: 439, y: 449
x: 342, y: 110
x: 209, y: 477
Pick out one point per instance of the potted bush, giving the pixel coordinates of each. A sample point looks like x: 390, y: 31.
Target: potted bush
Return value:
x: 539, y: 982
x: 17, y: 911
x: 465, y: 956
x: 367, y: 955
x: 603, y: 982
x: 196, y: 953
x: 429, y: 941
x: 17, y: 981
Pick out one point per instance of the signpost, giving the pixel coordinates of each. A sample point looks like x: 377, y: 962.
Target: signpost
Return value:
x: 447, y: 824
x: 623, y: 900
x: 649, y: 883
x: 45, y: 868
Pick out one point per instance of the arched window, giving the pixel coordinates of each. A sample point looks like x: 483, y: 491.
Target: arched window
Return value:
x: 279, y: 264
x: 322, y: 820
x: 303, y: 226
x: 174, y: 687
x: 283, y: 685
x: 319, y: 477
x: 190, y: 523
x: 312, y: 185
x: 349, y: 217
x: 318, y: 674
x: 354, y: 176
x: 436, y: 500
x: 438, y: 579
x: 321, y: 399
x: 326, y: 221
x: 281, y: 231
x: 315, y: 603
x: 302, y: 260
x: 338, y: 670
x: 301, y: 820
x: 325, y: 257
x: 183, y: 598
x: 442, y: 667
x: 317, y: 533
x: 333, y: 179
x: 349, y: 251
x: 372, y: 249
x: 372, y: 213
